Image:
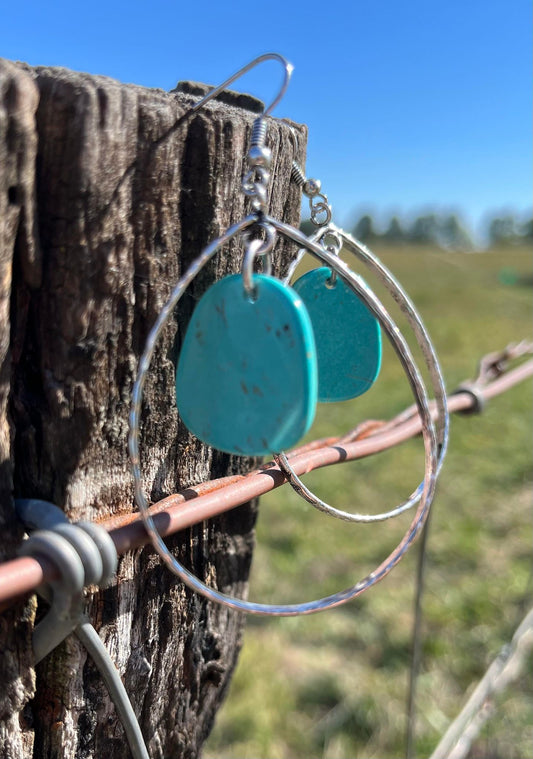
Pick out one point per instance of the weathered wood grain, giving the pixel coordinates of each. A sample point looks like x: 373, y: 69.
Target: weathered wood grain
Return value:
x: 116, y: 191
x: 19, y: 259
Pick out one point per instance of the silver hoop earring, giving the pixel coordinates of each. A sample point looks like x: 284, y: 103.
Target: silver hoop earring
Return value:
x: 255, y: 185
x: 319, y: 204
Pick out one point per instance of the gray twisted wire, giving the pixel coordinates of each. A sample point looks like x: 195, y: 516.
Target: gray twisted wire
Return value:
x: 84, y: 553
x: 65, y: 595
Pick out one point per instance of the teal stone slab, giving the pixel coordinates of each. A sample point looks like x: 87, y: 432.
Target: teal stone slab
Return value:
x: 246, y: 381
x: 347, y: 335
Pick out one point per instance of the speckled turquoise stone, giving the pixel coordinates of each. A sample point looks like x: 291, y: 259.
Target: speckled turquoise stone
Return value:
x: 348, y: 336
x: 246, y: 381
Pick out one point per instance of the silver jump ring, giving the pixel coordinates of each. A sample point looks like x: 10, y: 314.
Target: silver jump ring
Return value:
x: 255, y: 186
x: 335, y: 240
x: 255, y: 180
x: 404, y: 354
x: 319, y: 204
x: 267, y: 245
x: 335, y: 247
x: 257, y: 249
x: 432, y: 364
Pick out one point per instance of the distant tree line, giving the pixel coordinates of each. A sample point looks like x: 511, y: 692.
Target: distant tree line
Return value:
x: 429, y: 229
x: 507, y: 230
x: 445, y: 231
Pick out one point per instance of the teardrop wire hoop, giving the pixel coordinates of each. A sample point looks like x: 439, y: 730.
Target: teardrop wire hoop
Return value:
x: 397, y: 292
x: 415, y: 380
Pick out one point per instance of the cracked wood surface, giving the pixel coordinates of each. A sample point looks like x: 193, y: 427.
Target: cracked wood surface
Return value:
x: 107, y: 193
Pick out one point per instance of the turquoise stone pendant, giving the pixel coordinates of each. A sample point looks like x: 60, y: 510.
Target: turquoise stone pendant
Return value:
x: 246, y: 381
x: 347, y: 334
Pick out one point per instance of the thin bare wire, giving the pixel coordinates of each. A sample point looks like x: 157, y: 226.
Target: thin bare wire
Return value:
x: 504, y: 670
x: 417, y: 385
x: 490, y: 367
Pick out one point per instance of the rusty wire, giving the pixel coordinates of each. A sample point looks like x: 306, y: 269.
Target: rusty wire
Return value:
x: 208, y: 499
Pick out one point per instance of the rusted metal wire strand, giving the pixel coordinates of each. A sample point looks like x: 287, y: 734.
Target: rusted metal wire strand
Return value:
x: 208, y: 499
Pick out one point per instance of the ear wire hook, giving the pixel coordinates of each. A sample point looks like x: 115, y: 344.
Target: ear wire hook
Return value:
x: 288, y: 68
x: 255, y: 181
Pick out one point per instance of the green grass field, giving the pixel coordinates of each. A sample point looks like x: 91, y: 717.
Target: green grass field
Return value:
x: 334, y: 685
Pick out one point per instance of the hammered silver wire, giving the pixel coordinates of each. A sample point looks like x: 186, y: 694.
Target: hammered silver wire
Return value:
x: 415, y: 380
x: 397, y: 292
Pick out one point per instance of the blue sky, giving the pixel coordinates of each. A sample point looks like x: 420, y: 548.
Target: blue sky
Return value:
x: 409, y: 104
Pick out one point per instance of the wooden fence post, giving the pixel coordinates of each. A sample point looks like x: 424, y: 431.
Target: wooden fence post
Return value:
x: 107, y: 193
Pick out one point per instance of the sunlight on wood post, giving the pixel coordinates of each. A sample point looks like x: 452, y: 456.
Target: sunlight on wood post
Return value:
x: 121, y: 194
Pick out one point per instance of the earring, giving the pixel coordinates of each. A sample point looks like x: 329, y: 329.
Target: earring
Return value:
x: 253, y: 333
x: 250, y: 288
x: 334, y: 239
x: 249, y: 330
x: 348, y: 336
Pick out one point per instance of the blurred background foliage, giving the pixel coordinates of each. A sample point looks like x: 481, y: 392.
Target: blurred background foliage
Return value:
x: 334, y: 685
x: 441, y: 229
